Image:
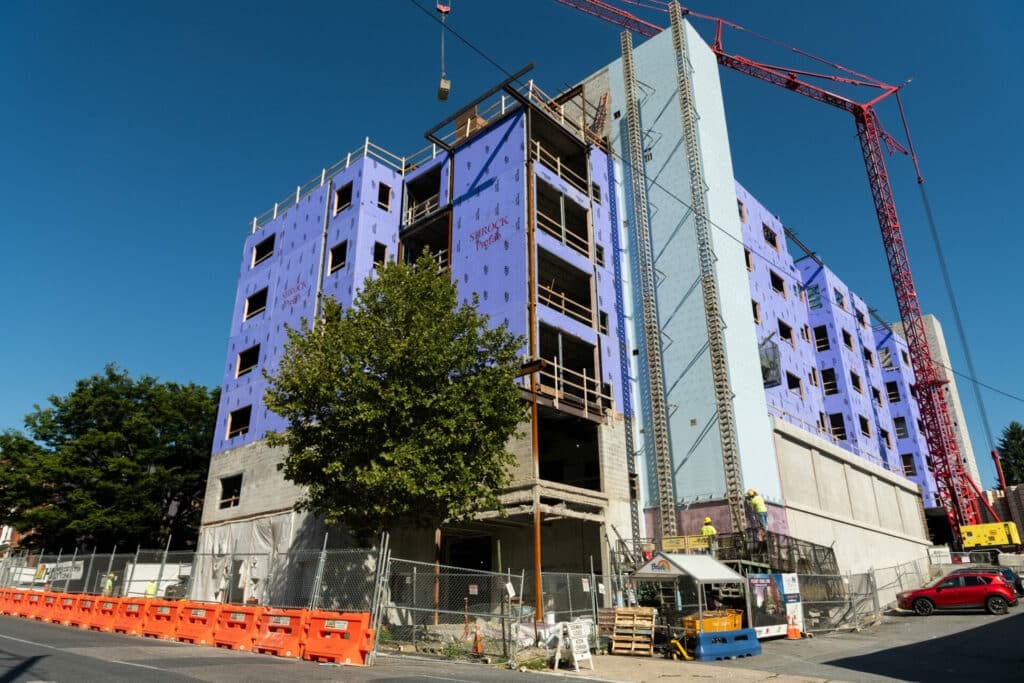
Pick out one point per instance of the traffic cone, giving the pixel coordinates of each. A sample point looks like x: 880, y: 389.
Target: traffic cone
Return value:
x: 478, y: 643
x: 792, y: 629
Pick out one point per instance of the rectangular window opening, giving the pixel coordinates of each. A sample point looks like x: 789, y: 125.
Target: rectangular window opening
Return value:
x: 893, y: 391
x: 877, y: 396
x: 855, y: 382
x: 865, y: 425
x: 786, y: 333
x: 247, y: 361
x: 909, y: 468
x: 778, y: 284
x: 885, y: 437
x: 263, y: 250
x: 814, y: 376
x: 770, y: 237
x: 342, y: 198
x: 384, y: 197
x: 900, y: 425
x: 337, y: 257
x: 837, y: 426
x: 595, y: 192
x: 828, y: 381
x: 238, y: 421
x: 840, y: 299
x: 602, y: 322
x: 821, y: 338
x: 847, y: 340
x: 885, y: 358
x: 255, y: 304
x: 795, y: 384
x: 905, y: 357
x: 869, y: 358
x: 230, y: 491
x: 599, y: 255
x: 380, y: 253
x: 749, y: 259
x: 757, y: 311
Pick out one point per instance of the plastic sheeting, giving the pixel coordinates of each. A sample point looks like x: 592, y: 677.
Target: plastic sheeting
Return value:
x: 233, y: 560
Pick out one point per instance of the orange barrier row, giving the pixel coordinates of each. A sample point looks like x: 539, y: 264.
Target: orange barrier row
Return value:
x: 321, y: 636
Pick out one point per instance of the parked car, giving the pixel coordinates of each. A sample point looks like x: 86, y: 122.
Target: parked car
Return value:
x: 1012, y: 577
x: 961, y: 590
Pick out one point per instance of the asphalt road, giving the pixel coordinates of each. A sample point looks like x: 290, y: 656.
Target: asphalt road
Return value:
x: 952, y: 646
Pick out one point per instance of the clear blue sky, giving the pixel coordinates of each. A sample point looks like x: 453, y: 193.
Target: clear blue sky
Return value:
x: 139, y: 140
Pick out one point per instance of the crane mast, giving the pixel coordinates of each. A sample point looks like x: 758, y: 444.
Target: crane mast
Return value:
x: 956, y: 490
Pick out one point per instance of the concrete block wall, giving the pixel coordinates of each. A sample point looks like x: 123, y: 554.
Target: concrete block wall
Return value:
x: 264, y: 489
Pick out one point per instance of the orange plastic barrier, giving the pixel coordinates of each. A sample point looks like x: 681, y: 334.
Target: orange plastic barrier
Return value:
x: 16, y: 602
x: 161, y: 619
x: 104, y: 611
x: 5, y: 600
x: 237, y: 626
x: 83, y: 613
x: 281, y: 632
x: 129, y: 616
x: 338, y: 638
x: 196, y: 623
x: 33, y: 604
x: 47, y: 604
x: 64, y: 610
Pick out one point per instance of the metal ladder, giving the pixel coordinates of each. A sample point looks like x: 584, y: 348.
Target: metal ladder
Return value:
x: 649, y: 308
x: 709, y: 286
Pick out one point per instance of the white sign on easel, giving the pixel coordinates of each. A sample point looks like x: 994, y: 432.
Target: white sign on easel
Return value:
x: 578, y: 633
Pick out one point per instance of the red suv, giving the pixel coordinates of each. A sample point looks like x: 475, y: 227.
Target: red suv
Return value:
x: 961, y: 590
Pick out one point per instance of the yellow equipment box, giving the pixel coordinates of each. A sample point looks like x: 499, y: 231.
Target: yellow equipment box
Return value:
x: 992, y: 535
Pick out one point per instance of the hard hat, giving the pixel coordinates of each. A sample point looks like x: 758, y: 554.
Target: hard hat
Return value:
x: 751, y: 492
x: 707, y: 520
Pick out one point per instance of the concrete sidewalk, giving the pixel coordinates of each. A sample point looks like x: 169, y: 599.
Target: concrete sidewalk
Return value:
x: 657, y: 669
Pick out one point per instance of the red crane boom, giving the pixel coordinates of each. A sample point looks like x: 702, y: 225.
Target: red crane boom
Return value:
x: 956, y: 490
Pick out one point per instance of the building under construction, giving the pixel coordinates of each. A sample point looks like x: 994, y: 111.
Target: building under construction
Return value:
x: 604, y: 225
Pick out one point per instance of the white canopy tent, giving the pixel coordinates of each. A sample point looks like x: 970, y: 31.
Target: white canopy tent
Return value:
x: 703, y: 570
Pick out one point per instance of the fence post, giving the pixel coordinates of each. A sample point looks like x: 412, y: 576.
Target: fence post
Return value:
x: 874, y: 590
x: 568, y: 585
x: 88, y: 572
x: 314, y: 599
x: 593, y: 592
x: 163, y: 563
x: 377, y: 599
x: 48, y: 583
x: 67, y: 576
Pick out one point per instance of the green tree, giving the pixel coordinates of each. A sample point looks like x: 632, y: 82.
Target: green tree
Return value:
x: 115, y: 462
x: 399, y: 408
x: 1011, y: 453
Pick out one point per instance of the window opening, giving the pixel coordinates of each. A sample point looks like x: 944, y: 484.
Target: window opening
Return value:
x: 247, y: 361
x: 794, y: 384
x: 599, y: 255
x: 848, y: 340
x: 742, y: 210
x: 869, y: 358
x: 786, y: 333
x: 342, y: 198
x: 837, y: 425
x: 337, y: 256
x: 384, y: 196
x: 885, y: 437
x: 595, y: 192
x: 778, y: 284
x: 821, y: 338
x: 749, y: 260
x: 230, y: 491
x: 909, y: 469
x: 885, y: 358
x: 770, y: 237
x: 828, y: 381
x: 900, y: 424
x: 893, y: 390
x: 877, y: 396
x: 263, y: 250
x: 855, y: 382
x: 602, y: 322
x: 380, y: 253
x: 814, y: 376
x: 840, y: 299
x: 238, y: 421
x: 865, y: 426
x: 255, y: 304
x: 757, y: 311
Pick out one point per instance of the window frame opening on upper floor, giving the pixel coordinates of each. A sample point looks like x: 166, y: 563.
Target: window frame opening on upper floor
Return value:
x: 570, y: 377
x: 777, y: 283
x: 263, y: 250
x: 564, y: 288
x: 892, y: 391
x: 771, y: 238
x: 247, y: 360
x: 423, y: 194
x: 256, y: 303
x: 837, y: 427
x: 561, y: 217
x: 337, y: 257
x: 568, y: 450
x: 239, y: 422
x: 821, y: 340
x: 384, y: 196
x: 230, y: 491
x: 432, y: 234
x: 559, y: 151
x: 899, y: 424
x: 342, y: 198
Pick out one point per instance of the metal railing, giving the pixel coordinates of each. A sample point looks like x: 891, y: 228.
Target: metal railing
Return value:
x: 554, y: 162
x: 563, y: 234
x: 426, y: 207
x: 573, y: 388
x: 563, y: 303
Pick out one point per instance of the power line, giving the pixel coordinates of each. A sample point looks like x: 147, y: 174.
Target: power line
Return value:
x: 626, y: 164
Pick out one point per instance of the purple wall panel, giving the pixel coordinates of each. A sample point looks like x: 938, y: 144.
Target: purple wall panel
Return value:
x: 602, y: 226
x: 488, y: 252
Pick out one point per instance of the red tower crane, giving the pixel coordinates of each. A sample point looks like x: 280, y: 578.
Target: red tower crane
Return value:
x: 957, y: 492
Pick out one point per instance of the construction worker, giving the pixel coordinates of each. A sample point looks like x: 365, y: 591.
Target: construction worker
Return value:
x: 760, y: 509
x: 108, y: 584
x: 709, y: 533
x: 151, y: 588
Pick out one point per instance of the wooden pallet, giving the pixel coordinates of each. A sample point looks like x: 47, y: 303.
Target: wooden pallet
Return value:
x: 634, y: 631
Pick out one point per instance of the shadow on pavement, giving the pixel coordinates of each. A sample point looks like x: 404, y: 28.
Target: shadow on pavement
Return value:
x: 17, y: 670
x: 988, y: 653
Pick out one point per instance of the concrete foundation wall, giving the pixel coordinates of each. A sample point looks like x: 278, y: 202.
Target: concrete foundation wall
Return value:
x: 871, y: 517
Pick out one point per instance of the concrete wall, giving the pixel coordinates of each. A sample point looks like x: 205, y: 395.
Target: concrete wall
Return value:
x: 870, y: 516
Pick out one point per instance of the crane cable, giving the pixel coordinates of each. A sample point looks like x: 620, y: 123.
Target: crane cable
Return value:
x: 444, y: 10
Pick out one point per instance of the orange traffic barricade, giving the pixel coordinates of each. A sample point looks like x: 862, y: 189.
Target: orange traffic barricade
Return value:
x: 47, y: 605
x: 64, y: 610
x: 281, y: 632
x: 104, y: 611
x: 338, y: 638
x: 196, y: 622
x: 237, y: 626
x: 82, y: 615
x: 5, y: 600
x: 19, y: 603
x: 33, y: 604
x: 161, y: 619
x: 129, y: 616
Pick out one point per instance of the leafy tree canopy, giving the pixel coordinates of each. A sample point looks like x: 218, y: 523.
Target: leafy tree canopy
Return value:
x: 399, y: 407
x: 1011, y: 453
x: 115, y: 462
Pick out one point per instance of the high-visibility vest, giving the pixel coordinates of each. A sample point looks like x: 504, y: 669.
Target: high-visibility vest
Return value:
x: 757, y: 502
x: 707, y: 530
